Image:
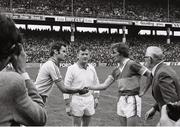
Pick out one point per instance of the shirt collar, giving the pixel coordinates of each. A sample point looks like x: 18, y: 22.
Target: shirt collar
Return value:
x: 154, y: 68
x: 79, y: 65
x: 124, y: 62
x: 54, y: 60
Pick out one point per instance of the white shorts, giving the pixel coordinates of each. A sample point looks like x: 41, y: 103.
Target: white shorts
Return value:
x: 81, y: 105
x: 129, y: 106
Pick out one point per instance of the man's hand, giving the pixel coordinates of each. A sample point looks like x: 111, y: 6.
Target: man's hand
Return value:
x: 19, y: 61
x: 96, y: 102
x: 68, y: 111
x: 115, y: 73
x: 84, y: 90
x: 165, y: 120
x: 68, y: 108
x: 149, y: 114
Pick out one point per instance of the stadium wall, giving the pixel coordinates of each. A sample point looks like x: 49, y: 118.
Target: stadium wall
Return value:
x: 94, y: 64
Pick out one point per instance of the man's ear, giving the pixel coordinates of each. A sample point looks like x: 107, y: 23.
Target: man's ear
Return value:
x: 55, y: 52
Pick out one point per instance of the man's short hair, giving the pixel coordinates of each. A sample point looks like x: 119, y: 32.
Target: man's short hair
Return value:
x: 83, y: 48
x: 10, y: 36
x: 56, y: 46
x: 122, y: 49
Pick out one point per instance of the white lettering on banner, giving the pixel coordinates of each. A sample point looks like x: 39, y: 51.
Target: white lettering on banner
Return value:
x: 65, y: 64
x: 89, y: 20
x: 79, y: 19
x: 60, y: 19
x: 176, y: 25
x: 76, y: 19
x: 69, y: 19
x: 114, y: 21
x: 37, y: 17
x: 145, y: 23
x: 159, y: 24
x: 16, y: 16
x: 69, y: 64
x: 25, y: 17
x: 148, y: 23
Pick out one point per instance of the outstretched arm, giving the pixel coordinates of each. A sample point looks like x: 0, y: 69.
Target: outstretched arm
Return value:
x: 66, y: 89
x: 109, y: 81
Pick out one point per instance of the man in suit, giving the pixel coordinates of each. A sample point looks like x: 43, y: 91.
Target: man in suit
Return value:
x: 165, y: 83
x: 20, y: 103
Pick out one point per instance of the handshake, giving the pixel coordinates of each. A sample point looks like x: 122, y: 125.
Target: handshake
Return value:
x: 83, y: 91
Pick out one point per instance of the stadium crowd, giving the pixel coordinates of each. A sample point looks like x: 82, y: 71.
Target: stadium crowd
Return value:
x: 136, y: 10
x: 37, y: 45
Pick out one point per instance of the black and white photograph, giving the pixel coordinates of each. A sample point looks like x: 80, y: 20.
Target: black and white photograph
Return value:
x: 89, y: 63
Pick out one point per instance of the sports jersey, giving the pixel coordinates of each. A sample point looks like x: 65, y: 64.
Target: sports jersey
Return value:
x: 48, y: 74
x: 130, y: 73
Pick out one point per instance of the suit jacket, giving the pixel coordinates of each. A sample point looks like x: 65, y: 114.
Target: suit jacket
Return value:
x: 165, y: 86
x: 19, y: 101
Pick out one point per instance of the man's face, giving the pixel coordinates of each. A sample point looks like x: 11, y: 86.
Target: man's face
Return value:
x: 115, y: 55
x: 62, y: 53
x: 84, y: 56
x: 148, y: 62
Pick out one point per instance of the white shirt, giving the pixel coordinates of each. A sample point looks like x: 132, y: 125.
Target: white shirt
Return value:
x: 48, y: 74
x: 78, y: 77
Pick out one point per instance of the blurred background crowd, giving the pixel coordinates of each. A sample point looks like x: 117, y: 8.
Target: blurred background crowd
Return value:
x: 152, y: 10
x: 37, y: 45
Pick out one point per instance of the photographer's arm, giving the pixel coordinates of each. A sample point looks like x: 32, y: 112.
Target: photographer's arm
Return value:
x: 31, y: 108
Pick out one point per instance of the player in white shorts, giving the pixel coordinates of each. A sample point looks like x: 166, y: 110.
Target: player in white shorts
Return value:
x: 80, y: 75
x: 49, y: 73
x: 127, y: 75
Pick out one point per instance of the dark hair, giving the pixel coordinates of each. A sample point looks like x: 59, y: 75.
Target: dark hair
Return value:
x: 122, y: 49
x: 56, y: 46
x: 10, y: 36
x: 83, y: 48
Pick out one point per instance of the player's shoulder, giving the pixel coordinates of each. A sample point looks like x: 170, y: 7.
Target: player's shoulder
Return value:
x: 91, y: 66
x: 136, y: 66
x: 73, y: 66
x: 134, y: 63
x: 48, y: 64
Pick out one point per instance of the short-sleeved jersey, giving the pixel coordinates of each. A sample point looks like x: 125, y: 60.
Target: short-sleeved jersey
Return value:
x: 129, y: 78
x: 48, y: 74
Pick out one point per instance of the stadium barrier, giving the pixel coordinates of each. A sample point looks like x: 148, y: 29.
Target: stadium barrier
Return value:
x: 29, y: 65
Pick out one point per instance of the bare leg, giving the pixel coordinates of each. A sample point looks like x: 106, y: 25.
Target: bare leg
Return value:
x: 77, y: 121
x: 133, y: 121
x: 86, y: 120
x: 123, y: 121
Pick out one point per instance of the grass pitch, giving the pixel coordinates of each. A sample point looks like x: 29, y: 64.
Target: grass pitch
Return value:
x: 105, y: 112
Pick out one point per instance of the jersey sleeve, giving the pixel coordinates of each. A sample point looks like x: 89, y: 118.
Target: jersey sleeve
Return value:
x: 68, y: 77
x: 138, y: 68
x: 96, y: 80
x: 54, y: 72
